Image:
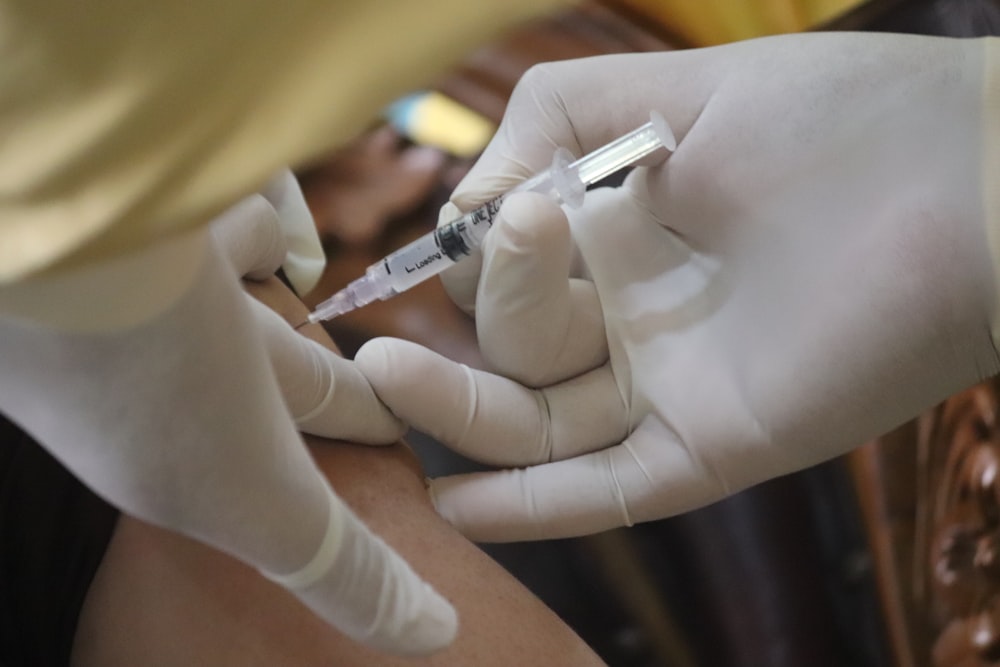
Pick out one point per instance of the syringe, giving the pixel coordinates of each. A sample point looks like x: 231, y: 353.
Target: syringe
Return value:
x: 434, y: 252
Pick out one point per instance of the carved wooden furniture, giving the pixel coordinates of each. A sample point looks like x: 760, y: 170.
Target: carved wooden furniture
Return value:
x: 931, y: 495
x: 928, y: 490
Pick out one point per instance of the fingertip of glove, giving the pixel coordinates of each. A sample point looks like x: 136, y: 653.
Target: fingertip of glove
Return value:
x: 449, y: 213
x: 434, y: 627
x: 437, y: 489
x: 373, y: 357
x: 524, y: 206
x: 461, y: 283
x: 250, y: 234
x: 529, y: 217
x: 385, y: 362
x: 430, y: 483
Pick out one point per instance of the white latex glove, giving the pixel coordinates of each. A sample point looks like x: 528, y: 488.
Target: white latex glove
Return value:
x: 325, y: 393
x: 148, y: 377
x: 808, y: 270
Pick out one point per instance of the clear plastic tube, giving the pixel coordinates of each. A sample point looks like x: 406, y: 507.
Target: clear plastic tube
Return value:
x: 566, y: 181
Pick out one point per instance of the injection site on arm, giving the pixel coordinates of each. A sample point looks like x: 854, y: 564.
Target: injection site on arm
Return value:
x: 566, y: 181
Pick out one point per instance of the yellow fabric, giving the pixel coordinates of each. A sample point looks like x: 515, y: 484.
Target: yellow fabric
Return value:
x: 720, y: 21
x: 121, y: 122
x: 134, y: 288
x: 991, y: 157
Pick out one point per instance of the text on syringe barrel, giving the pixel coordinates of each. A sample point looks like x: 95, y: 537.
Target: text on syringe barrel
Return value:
x: 431, y: 254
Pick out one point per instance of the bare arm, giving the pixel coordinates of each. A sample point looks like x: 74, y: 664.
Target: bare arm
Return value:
x: 163, y: 599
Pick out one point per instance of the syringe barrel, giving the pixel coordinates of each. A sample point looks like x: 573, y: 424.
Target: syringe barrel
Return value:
x: 459, y: 238
x: 411, y: 264
x: 623, y: 151
x: 565, y: 181
x: 434, y: 252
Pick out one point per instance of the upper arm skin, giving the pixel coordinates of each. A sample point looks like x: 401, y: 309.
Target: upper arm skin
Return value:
x: 163, y: 599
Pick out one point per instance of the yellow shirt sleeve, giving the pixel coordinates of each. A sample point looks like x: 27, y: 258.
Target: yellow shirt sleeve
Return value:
x: 123, y: 122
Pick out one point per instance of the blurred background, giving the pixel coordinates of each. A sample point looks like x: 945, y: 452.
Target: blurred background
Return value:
x: 885, y: 557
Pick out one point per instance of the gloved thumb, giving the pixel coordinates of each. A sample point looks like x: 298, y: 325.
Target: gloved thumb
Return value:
x: 360, y: 585
x: 535, y: 324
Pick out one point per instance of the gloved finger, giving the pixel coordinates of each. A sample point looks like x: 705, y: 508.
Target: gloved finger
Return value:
x: 305, y: 260
x: 363, y: 587
x: 491, y: 418
x: 534, y: 324
x: 326, y: 394
x: 515, y: 153
x: 461, y: 280
x: 534, y: 125
x: 650, y: 475
x: 250, y: 236
x: 553, y: 106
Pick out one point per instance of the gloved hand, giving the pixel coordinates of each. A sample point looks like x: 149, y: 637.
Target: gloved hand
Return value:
x: 809, y: 269
x: 148, y: 377
x: 325, y: 393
